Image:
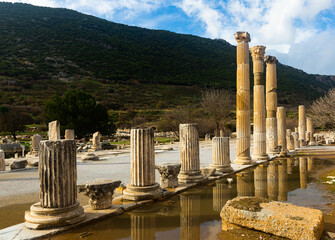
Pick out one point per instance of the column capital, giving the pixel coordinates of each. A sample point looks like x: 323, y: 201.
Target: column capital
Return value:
x: 242, y: 37
x: 257, y: 52
x: 270, y: 59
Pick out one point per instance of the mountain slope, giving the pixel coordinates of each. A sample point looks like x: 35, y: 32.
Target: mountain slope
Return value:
x: 45, y: 51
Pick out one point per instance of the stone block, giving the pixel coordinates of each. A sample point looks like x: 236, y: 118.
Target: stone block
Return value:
x: 17, y: 164
x: 277, y: 218
x: 208, y: 171
x: 90, y: 157
x: 169, y: 175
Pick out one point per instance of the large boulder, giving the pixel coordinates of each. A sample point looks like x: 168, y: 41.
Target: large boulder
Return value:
x: 277, y: 218
x: 17, y: 164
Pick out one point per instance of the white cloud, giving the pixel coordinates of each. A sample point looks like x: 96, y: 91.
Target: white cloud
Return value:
x: 43, y: 3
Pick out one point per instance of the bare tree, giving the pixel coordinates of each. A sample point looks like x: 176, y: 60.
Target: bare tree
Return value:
x: 323, y: 110
x: 218, y: 104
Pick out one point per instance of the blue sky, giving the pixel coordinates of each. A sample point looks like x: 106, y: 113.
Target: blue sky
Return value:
x: 300, y: 33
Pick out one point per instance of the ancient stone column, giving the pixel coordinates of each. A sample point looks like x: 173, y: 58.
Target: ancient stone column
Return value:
x: 289, y: 165
x: 221, y: 194
x: 142, y: 152
x: 310, y: 131
x: 142, y: 225
x: 289, y: 140
x: 303, y: 172
x: 2, y: 161
x: 35, y: 144
x: 96, y: 141
x: 221, y: 154
x: 282, y: 181
x: 271, y: 105
x: 242, y: 99
x: 302, y: 125
x: 245, y: 183
x: 281, y: 129
x: 69, y: 134
x: 58, y: 204
x: 272, y: 176
x: 259, y: 151
x: 296, y: 143
x: 260, y: 179
x: 189, y: 154
x: 190, y: 215
x: 54, y: 130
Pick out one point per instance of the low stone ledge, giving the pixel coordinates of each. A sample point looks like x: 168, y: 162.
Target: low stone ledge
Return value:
x: 277, y: 218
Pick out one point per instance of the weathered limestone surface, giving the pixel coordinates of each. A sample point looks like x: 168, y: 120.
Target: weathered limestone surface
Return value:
x: 54, y: 130
x: 2, y: 161
x: 90, y: 157
x: 310, y: 131
x: 302, y: 125
x: 281, y: 118
x: 69, y: 134
x: 142, y: 152
x: 221, y: 154
x: 271, y: 105
x: 96, y: 141
x: 289, y: 140
x: 17, y: 164
x: 169, y: 174
x: 291, y: 221
x: 58, y: 204
x: 242, y: 99
x: 260, y: 181
x: 35, y: 144
x: 208, y: 171
x: 296, y: 140
x: 259, y: 153
x: 189, y: 154
x: 100, y: 192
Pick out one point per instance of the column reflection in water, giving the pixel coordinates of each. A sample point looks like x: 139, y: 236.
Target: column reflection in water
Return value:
x: 282, y: 180
x: 310, y: 161
x: 296, y: 162
x: 289, y: 163
x: 245, y: 183
x: 143, y: 225
x: 222, y: 192
x: 303, y: 172
x: 272, y: 176
x: 190, y: 215
x: 260, y: 181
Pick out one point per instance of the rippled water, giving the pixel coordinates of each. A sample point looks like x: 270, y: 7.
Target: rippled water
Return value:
x: 195, y: 214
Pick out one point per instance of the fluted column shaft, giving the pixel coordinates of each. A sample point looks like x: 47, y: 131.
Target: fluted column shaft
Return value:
x: 142, y: 157
x: 271, y: 105
x: 310, y: 130
x: 221, y: 154
x: 281, y: 119
x: 58, y: 173
x: 302, y: 125
x: 296, y: 140
x: 242, y: 99
x: 289, y: 140
x: 259, y: 153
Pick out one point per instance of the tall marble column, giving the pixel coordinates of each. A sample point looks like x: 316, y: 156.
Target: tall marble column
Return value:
x: 272, y: 176
x: 271, y: 105
x: 281, y: 129
x: 289, y: 140
x: 242, y: 99
x: 303, y: 172
x: 189, y: 154
x: 296, y: 143
x: 259, y: 152
x: 221, y: 154
x: 310, y: 131
x: 58, y: 204
x: 260, y: 178
x: 245, y: 183
x: 302, y: 125
x: 142, y: 171
x: 190, y: 215
x: 54, y: 130
x: 35, y: 144
x: 2, y: 161
x: 69, y: 134
x: 282, y: 181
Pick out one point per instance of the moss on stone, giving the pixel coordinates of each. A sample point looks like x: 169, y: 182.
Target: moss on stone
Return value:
x: 249, y: 204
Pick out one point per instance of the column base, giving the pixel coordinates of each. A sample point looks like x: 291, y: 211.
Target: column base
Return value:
x: 260, y: 157
x: 134, y: 193
x: 243, y: 160
x: 42, y: 218
x: 190, y: 177
x: 222, y: 168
